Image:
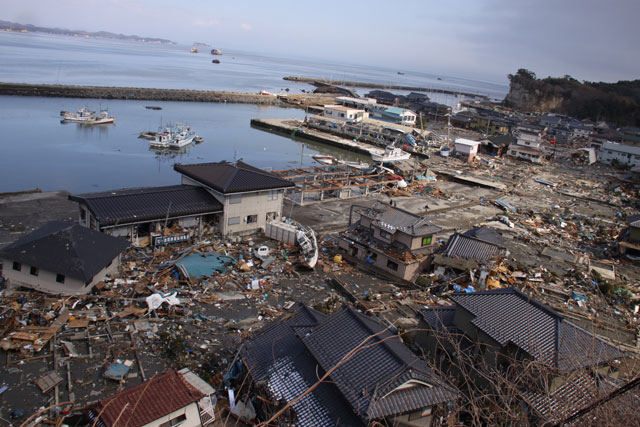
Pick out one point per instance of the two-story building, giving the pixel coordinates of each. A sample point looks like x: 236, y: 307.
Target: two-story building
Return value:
x: 229, y: 198
x: 391, y: 240
x: 250, y: 197
x: 611, y: 152
x: 506, y: 331
x: 528, y: 144
x: 372, y: 378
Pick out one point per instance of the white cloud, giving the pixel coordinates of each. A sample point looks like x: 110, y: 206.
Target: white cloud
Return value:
x: 246, y: 27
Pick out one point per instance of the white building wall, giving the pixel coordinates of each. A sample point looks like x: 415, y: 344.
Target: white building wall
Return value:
x: 239, y: 207
x: 608, y: 156
x: 45, y: 281
x: 191, y: 412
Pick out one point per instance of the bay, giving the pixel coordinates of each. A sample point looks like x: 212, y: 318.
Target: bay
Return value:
x: 38, y: 151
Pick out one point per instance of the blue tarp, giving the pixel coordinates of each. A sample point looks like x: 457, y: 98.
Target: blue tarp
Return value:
x: 117, y: 371
x: 206, y: 263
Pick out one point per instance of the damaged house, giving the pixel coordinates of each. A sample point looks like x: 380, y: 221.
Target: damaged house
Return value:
x: 61, y: 258
x: 507, y: 331
x: 175, y: 398
x: 230, y: 198
x: 394, y: 241
x: 372, y: 378
x: 473, y: 250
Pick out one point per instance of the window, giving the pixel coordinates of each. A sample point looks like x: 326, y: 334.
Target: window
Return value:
x: 34, y: 271
x: 234, y: 220
x: 426, y: 241
x: 17, y: 266
x: 392, y: 265
x: 272, y: 216
x: 251, y: 219
x: 273, y: 195
x: 60, y: 278
x: 385, y: 234
x: 175, y: 422
x: 235, y: 199
x: 83, y: 215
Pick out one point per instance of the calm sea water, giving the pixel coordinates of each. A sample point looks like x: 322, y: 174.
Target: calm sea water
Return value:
x: 37, y: 151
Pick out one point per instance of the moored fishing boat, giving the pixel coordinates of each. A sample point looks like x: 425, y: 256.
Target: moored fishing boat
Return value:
x: 86, y: 116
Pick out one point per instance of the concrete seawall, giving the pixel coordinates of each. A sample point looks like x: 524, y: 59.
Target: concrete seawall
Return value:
x: 147, y: 94
x: 311, y: 80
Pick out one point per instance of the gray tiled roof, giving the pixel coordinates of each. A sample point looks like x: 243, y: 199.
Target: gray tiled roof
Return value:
x: 486, y: 234
x: 148, y: 203
x: 66, y: 248
x: 508, y: 315
x: 466, y: 247
x: 276, y: 356
x: 370, y: 391
x: 393, y: 218
x: 232, y: 177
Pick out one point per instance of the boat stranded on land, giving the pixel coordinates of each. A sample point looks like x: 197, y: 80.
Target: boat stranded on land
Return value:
x: 390, y: 154
x: 88, y: 117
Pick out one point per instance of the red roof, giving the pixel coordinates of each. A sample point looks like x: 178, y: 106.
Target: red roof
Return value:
x: 147, y: 402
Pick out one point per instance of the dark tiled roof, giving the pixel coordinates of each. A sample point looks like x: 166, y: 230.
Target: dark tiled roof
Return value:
x: 370, y: 392
x: 150, y: 203
x: 439, y: 318
x: 66, y: 248
x: 146, y: 402
x: 466, y: 247
x: 232, y: 177
x: 392, y: 218
x: 502, y: 140
x: 277, y: 356
x: 486, y: 234
x: 508, y: 315
x: 579, y: 389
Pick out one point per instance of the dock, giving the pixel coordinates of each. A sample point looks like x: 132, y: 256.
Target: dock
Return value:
x: 294, y: 127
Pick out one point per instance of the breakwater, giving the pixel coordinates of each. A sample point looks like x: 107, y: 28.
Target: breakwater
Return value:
x: 148, y: 94
x: 381, y: 86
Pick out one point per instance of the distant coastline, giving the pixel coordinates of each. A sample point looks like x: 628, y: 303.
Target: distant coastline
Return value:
x: 28, y: 28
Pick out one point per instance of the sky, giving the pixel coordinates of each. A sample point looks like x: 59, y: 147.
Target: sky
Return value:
x: 479, y: 39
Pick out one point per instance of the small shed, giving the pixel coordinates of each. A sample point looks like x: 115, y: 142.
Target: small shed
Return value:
x: 467, y: 148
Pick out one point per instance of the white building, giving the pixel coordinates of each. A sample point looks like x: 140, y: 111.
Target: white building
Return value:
x: 366, y: 104
x: 610, y: 151
x: 339, y: 112
x: 61, y: 258
x: 528, y: 145
x: 250, y: 196
x: 467, y: 148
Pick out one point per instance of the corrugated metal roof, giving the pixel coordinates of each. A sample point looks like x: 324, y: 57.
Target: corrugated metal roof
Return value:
x: 466, y: 247
x: 149, y: 203
x: 146, y: 402
x: 236, y: 177
x: 66, y: 248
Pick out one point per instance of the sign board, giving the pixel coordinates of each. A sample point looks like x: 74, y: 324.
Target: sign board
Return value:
x: 174, y: 238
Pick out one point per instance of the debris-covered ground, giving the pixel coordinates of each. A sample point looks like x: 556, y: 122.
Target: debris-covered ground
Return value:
x: 163, y: 311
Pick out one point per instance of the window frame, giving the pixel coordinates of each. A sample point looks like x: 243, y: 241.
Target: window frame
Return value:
x: 60, y: 278
x: 34, y: 271
x: 233, y: 220
x: 17, y: 266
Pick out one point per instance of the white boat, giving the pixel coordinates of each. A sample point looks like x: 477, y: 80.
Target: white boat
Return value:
x: 325, y: 160
x: 86, y: 116
x: 306, y: 238
x: 391, y: 154
x: 356, y: 165
x: 177, y: 137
